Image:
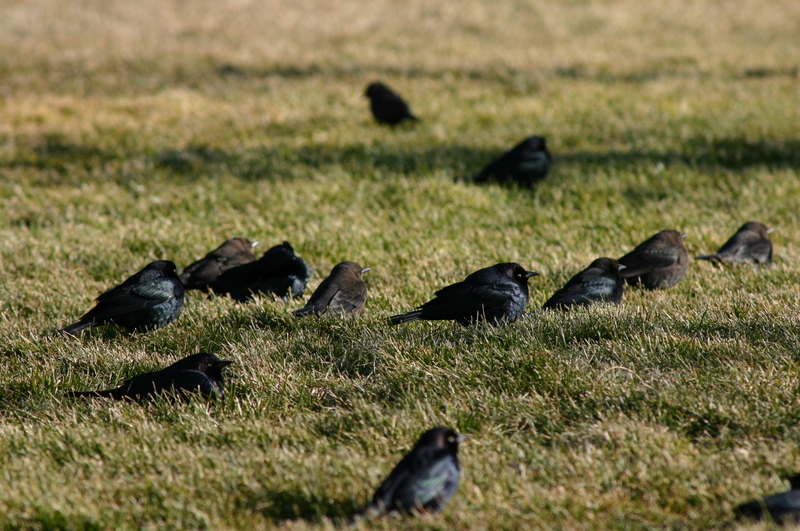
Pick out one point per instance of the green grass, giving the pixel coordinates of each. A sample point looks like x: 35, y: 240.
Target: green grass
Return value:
x: 135, y: 132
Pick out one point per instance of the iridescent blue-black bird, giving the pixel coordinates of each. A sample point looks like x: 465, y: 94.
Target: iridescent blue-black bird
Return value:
x: 344, y: 292
x: 600, y: 282
x: 278, y: 271
x: 526, y: 164
x: 783, y: 507
x: 150, y: 299
x: 387, y: 106
x: 232, y: 253
x: 201, y: 372
x: 424, y: 480
x: 496, y: 294
x: 750, y: 244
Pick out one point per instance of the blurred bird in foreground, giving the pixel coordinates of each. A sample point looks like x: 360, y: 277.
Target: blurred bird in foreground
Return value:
x: 343, y: 292
x: 750, y: 244
x: 657, y: 263
x: 278, y: 271
x: 200, y: 372
x: 783, y: 507
x: 496, y: 294
x: 232, y: 253
x: 600, y: 282
x: 424, y: 480
x: 387, y: 106
x: 150, y: 299
x: 526, y: 164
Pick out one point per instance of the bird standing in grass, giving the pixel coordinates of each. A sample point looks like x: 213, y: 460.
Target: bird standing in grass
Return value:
x: 496, y: 294
x: 783, y: 507
x: 750, y: 244
x: 600, y: 282
x: 232, y: 253
x: 279, y: 271
x: 386, y: 105
x: 657, y: 263
x: 201, y: 372
x: 150, y: 299
x: 424, y: 480
x: 343, y: 292
x: 526, y: 164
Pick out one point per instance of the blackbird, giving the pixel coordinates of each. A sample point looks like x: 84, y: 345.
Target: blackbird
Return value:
x: 150, y: 299
x: 200, y: 372
x: 233, y: 252
x: 387, y: 106
x: 657, y: 263
x: 783, y: 507
x: 600, y: 282
x: 526, y: 164
x: 495, y: 294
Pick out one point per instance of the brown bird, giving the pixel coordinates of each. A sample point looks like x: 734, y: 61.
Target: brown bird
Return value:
x: 750, y: 244
x: 232, y: 253
x: 343, y: 292
x: 657, y: 263
x: 600, y: 282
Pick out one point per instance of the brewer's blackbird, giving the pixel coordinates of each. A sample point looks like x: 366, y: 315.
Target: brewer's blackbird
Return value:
x: 343, y: 292
x: 150, y: 299
x: 278, y: 271
x: 750, y: 244
x: 424, y: 480
x: 783, y: 507
x: 232, y: 253
x: 495, y: 294
x: 200, y: 372
x: 600, y: 282
x: 387, y: 106
x: 526, y: 164
x: 657, y: 263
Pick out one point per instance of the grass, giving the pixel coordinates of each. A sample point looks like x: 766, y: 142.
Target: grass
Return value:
x: 134, y: 132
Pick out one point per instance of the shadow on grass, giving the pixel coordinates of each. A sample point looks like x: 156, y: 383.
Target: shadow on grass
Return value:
x: 292, y: 504
x: 58, y: 159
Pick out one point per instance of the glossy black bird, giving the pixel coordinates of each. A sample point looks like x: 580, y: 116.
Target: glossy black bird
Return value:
x: 424, y: 480
x: 387, y: 106
x: 278, y: 271
x: 600, y: 282
x: 232, y: 253
x: 783, y: 507
x: 526, y: 164
x: 495, y: 294
x: 343, y: 292
x: 657, y: 263
x: 200, y: 372
x: 750, y: 244
x: 150, y: 299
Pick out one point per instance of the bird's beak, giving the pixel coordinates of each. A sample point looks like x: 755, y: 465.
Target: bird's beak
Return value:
x: 253, y: 244
x: 683, y: 236
x: 365, y: 270
x: 771, y: 230
x: 529, y: 274
x: 621, y: 267
x: 225, y: 363
x: 462, y: 438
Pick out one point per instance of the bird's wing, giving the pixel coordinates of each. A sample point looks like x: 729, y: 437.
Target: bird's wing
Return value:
x: 464, y: 298
x: 640, y: 263
x: 348, y: 300
x: 429, y: 483
x: 126, y: 299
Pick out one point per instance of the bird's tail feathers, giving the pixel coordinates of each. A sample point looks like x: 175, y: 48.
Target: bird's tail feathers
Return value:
x: 405, y: 317
x: 304, y: 312
x: 77, y: 327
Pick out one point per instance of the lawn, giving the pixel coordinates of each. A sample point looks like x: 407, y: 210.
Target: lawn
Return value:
x: 137, y: 131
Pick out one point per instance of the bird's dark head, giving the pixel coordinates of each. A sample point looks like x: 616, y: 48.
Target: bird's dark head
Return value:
x: 166, y: 267
x: 242, y: 244
x: 376, y: 89
x: 441, y: 437
x: 794, y: 481
x: 757, y: 227
x: 608, y: 265
x: 536, y: 143
x: 515, y: 271
x: 350, y: 268
x: 204, y: 362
